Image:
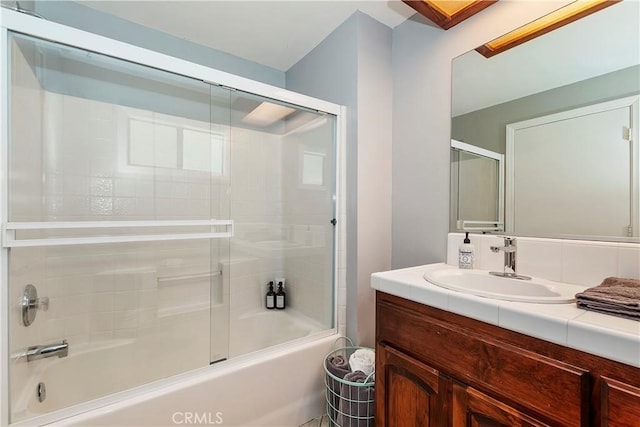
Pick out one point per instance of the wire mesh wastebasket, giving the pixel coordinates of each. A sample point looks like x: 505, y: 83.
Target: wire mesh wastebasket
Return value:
x: 350, y: 395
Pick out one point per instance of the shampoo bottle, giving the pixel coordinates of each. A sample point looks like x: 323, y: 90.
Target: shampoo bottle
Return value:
x: 271, y: 297
x: 281, y: 297
x: 465, y: 254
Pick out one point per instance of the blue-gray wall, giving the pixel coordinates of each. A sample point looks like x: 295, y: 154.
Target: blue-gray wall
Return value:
x: 84, y: 18
x: 422, y: 56
x: 485, y: 127
x: 352, y: 67
x: 421, y: 115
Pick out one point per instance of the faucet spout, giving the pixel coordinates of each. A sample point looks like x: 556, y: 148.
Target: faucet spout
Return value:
x: 43, y: 351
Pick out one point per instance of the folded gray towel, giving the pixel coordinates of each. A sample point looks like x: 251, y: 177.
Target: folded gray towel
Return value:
x: 615, y: 296
x: 357, y: 404
x: 338, y: 366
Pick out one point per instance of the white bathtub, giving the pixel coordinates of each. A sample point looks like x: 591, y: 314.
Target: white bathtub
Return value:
x: 266, y: 328
x: 256, y: 389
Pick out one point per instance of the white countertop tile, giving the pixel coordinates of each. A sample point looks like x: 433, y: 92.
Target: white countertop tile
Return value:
x: 608, y: 336
x: 478, y: 308
x: 565, y: 324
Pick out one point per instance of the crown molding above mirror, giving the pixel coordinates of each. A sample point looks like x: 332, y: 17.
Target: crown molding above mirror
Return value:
x: 447, y: 13
x: 588, y: 62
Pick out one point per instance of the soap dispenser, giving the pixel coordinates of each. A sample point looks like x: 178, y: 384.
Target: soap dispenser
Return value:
x: 281, y: 297
x: 271, y: 297
x: 465, y: 253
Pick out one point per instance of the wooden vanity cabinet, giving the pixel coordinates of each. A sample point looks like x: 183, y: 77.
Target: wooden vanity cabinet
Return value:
x: 436, y: 368
x: 473, y: 408
x: 619, y: 403
x: 410, y: 390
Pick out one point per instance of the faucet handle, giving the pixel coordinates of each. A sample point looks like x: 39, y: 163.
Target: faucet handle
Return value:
x: 30, y: 304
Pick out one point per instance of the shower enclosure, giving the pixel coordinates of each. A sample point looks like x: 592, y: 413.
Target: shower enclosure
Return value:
x: 145, y: 211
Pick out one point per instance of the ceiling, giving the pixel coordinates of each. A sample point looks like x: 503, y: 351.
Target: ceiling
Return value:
x: 280, y: 33
x: 273, y: 33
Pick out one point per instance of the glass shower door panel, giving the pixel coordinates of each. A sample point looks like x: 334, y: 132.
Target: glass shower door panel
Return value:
x: 95, y: 140
x: 283, y: 181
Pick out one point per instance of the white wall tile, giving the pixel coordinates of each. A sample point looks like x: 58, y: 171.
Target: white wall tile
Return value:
x: 101, y: 322
x: 489, y: 260
x: 101, y: 302
x: 453, y: 242
x: 629, y: 260
x: 125, y: 300
x: 580, y: 262
x: 588, y: 263
x: 77, y: 325
x: 540, y: 258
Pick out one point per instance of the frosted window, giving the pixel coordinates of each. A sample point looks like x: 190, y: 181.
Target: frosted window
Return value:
x: 140, y: 143
x: 166, y: 145
x: 312, y: 168
x: 202, y: 151
x: 152, y: 144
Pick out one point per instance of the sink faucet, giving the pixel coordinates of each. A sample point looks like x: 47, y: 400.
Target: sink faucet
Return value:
x: 510, y: 251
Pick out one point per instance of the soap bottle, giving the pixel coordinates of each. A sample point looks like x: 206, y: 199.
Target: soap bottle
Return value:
x: 271, y: 297
x: 281, y: 297
x: 465, y: 254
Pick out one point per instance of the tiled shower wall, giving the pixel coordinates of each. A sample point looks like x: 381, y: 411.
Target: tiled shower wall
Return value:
x: 308, y: 210
x: 256, y: 208
x: 579, y: 262
x: 110, y: 291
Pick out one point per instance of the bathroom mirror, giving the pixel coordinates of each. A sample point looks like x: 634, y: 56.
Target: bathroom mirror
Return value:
x: 564, y: 111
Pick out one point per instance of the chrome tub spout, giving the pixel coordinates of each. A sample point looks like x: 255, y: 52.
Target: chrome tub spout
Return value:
x: 43, y: 351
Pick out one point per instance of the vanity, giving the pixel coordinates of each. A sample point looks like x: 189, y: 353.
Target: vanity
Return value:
x: 446, y: 357
x: 535, y: 154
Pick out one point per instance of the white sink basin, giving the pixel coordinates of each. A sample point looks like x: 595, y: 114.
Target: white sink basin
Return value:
x: 481, y: 283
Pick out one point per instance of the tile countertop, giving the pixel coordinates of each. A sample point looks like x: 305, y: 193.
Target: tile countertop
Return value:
x: 608, y: 336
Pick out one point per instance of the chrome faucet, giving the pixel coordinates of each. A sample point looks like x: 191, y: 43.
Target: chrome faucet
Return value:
x: 510, y: 251
x: 43, y: 351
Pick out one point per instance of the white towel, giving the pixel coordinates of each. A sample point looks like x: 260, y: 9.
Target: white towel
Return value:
x: 363, y: 360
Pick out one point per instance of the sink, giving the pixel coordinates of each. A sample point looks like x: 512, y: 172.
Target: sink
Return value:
x: 481, y: 283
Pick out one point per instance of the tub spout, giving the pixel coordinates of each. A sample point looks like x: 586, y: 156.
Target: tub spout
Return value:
x: 43, y: 351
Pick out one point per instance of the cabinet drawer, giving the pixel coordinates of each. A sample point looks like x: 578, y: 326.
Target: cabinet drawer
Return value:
x: 528, y: 381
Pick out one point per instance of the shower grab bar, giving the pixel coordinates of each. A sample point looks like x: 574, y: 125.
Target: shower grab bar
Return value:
x: 10, y: 241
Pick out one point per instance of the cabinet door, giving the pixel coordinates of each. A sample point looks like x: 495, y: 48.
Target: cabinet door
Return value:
x: 620, y: 404
x: 408, y: 391
x: 472, y: 408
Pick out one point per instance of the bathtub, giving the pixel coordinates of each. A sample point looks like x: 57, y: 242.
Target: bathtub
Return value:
x: 254, y: 388
x: 254, y: 331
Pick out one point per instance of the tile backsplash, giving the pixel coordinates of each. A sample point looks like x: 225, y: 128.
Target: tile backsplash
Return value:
x: 578, y: 262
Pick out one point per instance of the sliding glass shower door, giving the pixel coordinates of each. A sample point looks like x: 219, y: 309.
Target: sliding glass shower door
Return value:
x: 118, y: 225
x: 145, y: 214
